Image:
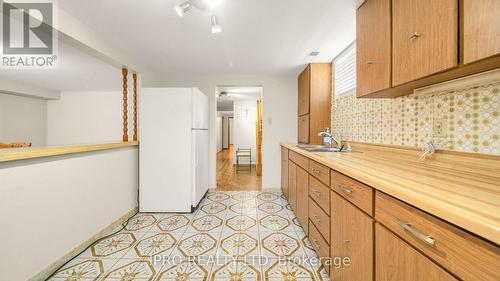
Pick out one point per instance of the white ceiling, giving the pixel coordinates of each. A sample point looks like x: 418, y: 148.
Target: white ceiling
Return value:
x: 260, y: 37
x: 76, y: 71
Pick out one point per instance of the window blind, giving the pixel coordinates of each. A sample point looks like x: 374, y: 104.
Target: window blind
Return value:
x: 345, y: 71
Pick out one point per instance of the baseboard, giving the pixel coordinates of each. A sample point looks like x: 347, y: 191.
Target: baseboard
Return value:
x: 271, y: 189
x: 46, y: 272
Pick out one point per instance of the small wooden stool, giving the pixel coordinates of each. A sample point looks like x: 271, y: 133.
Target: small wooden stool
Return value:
x: 244, y: 153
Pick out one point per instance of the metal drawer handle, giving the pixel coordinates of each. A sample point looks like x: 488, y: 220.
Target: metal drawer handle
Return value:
x: 315, y: 191
x: 316, y: 243
x: 316, y: 171
x: 408, y: 228
x: 415, y: 35
x: 346, y: 190
x: 369, y: 62
x: 316, y: 218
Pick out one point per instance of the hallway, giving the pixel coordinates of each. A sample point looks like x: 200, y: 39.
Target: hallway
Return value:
x: 228, y: 179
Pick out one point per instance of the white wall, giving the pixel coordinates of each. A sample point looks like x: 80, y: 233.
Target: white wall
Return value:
x: 60, y: 204
x: 244, y: 135
x: 86, y: 117
x: 279, y: 115
x: 218, y: 132
x: 23, y: 119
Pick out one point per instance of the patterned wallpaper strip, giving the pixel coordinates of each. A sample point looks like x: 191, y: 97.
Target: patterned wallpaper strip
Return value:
x: 469, y: 117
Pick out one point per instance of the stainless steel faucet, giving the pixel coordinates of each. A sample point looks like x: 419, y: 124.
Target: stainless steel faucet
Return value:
x: 329, y: 135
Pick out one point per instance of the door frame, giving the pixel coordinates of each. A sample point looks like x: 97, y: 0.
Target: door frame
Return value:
x: 229, y: 132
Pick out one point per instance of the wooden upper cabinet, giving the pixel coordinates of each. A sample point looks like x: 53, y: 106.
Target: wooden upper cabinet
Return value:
x: 351, y: 236
x: 320, y: 109
x: 304, y: 91
x: 373, y: 46
x: 481, y: 29
x: 315, y: 101
x: 425, y: 38
x: 396, y: 260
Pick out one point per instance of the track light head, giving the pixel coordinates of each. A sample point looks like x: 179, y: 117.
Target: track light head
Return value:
x: 182, y: 8
x: 216, y: 28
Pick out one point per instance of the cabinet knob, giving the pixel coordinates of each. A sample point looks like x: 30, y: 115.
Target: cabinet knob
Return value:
x: 370, y: 62
x: 316, y: 218
x: 415, y: 35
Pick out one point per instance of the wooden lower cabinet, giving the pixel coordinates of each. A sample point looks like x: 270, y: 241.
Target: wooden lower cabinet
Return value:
x: 292, y: 185
x: 396, y: 260
x: 302, y: 185
x: 284, y: 171
x: 352, y: 237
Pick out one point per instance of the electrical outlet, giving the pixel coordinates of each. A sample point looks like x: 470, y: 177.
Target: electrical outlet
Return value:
x: 439, y: 128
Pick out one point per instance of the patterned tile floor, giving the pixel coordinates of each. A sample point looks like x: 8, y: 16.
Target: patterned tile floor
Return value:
x: 233, y: 236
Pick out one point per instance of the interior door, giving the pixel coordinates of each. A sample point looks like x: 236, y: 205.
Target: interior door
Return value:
x: 200, y: 162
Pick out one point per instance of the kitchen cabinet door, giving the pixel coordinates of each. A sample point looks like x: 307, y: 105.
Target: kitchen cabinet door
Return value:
x: 292, y: 185
x: 284, y: 171
x: 425, y: 38
x: 302, y: 186
x: 396, y: 260
x: 481, y: 21
x: 303, y: 129
x: 304, y: 91
x: 373, y: 46
x: 352, y: 237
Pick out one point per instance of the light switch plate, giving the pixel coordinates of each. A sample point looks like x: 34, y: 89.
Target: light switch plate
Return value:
x: 439, y: 128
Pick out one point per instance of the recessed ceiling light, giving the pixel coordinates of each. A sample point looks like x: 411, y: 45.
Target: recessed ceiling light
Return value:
x: 182, y: 8
x: 216, y: 28
x: 314, y: 54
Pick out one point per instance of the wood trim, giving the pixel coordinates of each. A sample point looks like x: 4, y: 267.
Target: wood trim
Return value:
x: 125, y: 105
x: 14, y: 154
x: 134, y: 76
x: 259, y: 137
x: 229, y: 131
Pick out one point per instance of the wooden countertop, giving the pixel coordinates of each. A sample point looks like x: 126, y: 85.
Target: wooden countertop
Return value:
x: 461, y: 189
x: 13, y: 154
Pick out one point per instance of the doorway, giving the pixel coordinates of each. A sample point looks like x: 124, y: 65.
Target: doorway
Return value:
x: 239, y: 140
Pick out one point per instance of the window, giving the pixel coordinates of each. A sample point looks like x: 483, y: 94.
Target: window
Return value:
x: 345, y: 70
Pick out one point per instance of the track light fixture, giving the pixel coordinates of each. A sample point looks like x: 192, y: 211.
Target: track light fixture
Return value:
x: 204, y: 5
x: 216, y: 28
x: 182, y: 8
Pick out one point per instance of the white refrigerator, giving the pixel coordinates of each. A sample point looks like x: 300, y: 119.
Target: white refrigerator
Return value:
x: 173, y: 149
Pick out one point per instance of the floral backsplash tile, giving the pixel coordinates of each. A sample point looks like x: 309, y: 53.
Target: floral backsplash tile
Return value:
x: 469, y: 117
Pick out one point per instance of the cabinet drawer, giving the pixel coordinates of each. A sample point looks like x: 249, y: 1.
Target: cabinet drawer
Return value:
x: 357, y: 193
x: 396, y: 260
x: 321, y: 172
x: 320, y: 219
x: 463, y: 254
x: 319, y: 243
x: 300, y: 160
x: 320, y: 193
